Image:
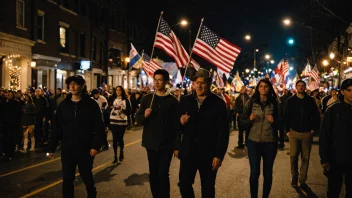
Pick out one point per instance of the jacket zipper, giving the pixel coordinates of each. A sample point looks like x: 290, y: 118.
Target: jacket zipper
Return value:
x: 263, y: 118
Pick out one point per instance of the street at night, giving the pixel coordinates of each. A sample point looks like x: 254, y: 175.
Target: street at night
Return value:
x: 130, y: 178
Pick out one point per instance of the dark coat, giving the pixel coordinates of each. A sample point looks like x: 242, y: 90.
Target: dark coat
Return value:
x: 10, y: 115
x: 28, y: 117
x: 208, y: 125
x: 239, y: 107
x: 79, y: 126
x: 159, y: 129
x: 336, y: 134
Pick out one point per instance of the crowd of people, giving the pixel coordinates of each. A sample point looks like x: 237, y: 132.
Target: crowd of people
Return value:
x: 192, y: 124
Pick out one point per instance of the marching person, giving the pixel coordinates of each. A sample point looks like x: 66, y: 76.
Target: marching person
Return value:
x: 204, y: 136
x: 334, y: 143
x: 260, y: 116
x: 302, y: 120
x: 240, y: 102
x: 79, y: 125
x: 158, y: 115
x: 120, y: 110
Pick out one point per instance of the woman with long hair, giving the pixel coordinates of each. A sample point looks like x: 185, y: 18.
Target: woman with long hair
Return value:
x: 28, y: 122
x: 120, y: 110
x: 260, y: 116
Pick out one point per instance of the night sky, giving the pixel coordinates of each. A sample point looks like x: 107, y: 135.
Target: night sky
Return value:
x: 232, y: 21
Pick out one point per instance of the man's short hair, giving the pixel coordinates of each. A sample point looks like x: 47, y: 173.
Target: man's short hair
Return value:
x: 301, y: 81
x: 59, y: 89
x: 164, y: 73
x: 203, y: 73
x: 346, y: 83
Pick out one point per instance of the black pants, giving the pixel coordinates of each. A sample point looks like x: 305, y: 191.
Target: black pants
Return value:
x: 257, y: 151
x: 335, y: 180
x: 241, y: 131
x: 118, y: 131
x: 159, y: 164
x: 38, y: 129
x: 69, y: 161
x: 188, y: 169
x: 9, y: 142
x: 281, y: 134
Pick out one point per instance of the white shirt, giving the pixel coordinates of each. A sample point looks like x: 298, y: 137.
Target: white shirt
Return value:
x: 101, y: 100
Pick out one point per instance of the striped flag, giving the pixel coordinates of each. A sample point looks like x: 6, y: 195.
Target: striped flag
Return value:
x: 195, y: 65
x: 315, y: 74
x: 280, y: 72
x: 135, y: 58
x: 167, y: 41
x: 216, y: 50
x: 149, y: 66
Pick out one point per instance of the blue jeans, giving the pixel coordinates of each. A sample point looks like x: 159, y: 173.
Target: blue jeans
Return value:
x: 257, y: 151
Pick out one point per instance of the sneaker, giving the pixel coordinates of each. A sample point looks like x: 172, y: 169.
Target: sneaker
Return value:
x: 294, y: 182
x: 23, y: 150
x: 305, y: 187
x: 31, y: 149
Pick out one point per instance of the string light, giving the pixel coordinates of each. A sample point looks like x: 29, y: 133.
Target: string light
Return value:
x: 14, y: 71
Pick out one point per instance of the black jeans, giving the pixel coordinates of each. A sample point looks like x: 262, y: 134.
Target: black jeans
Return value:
x: 257, y: 151
x: 159, y: 164
x: 118, y: 132
x: 242, y: 131
x: 188, y: 169
x: 70, y: 160
x: 335, y: 179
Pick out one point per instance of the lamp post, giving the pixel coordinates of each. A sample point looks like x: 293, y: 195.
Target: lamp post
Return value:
x: 185, y: 23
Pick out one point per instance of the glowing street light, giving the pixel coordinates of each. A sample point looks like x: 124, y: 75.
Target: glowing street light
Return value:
x: 267, y: 56
x: 184, y: 23
x: 247, y: 37
x: 291, y: 41
x: 287, y: 22
x: 247, y: 70
x: 325, y: 63
x: 272, y: 61
x: 291, y: 68
x: 332, y: 55
x: 127, y: 60
x: 256, y: 50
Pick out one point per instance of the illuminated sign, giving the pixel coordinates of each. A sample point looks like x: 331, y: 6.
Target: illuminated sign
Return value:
x: 85, y: 65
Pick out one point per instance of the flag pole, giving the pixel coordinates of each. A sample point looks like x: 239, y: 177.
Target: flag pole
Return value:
x: 161, y: 14
x: 190, y: 54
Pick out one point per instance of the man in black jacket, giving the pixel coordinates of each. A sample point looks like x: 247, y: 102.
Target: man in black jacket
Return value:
x: 158, y: 115
x: 301, y: 121
x: 335, y: 143
x: 79, y: 125
x: 240, y: 102
x: 204, y: 136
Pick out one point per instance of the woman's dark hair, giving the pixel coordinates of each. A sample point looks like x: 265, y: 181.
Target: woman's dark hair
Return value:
x: 271, y: 94
x: 114, y: 95
x: 30, y: 99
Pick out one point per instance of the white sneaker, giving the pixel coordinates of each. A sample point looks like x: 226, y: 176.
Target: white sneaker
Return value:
x: 31, y: 149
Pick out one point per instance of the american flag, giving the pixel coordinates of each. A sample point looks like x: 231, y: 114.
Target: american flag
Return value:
x: 216, y: 50
x: 313, y: 85
x: 167, y: 41
x: 280, y: 72
x: 315, y: 74
x: 195, y: 64
x: 149, y: 66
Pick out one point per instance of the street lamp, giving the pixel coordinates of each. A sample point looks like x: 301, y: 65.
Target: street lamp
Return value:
x: 184, y: 22
x: 256, y: 50
x: 247, y: 70
x: 325, y: 63
x: 291, y: 68
x: 332, y: 55
x: 127, y: 59
x: 267, y: 56
x: 272, y: 61
x: 286, y: 22
x: 247, y: 37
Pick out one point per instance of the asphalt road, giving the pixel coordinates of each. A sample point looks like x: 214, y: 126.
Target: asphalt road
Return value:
x: 34, y: 175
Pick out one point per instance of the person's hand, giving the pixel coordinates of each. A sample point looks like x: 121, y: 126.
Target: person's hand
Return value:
x: 93, y: 152
x: 147, y: 112
x: 252, y: 117
x: 271, y: 118
x: 326, y: 166
x: 216, y: 163
x: 176, y: 153
x: 184, y: 118
x: 50, y: 155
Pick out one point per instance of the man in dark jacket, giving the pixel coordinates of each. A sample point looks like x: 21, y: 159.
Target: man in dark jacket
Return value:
x: 79, y: 125
x: 301, y: 121
x: 335, y: 143
x: 240, y: 102
x: 158, y: 115
x: 41, y: 106
x: 204, y: 136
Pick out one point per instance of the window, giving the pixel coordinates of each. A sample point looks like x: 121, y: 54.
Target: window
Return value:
x: 94, y: 49
x: 82, y: 47
x: 40, y: 26
x: 20, y: 13
x: 63, y: 39
x: 115, y: 57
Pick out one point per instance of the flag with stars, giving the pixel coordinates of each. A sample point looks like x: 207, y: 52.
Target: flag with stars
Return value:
x: 167, y: 41
x: 216, y: 50
x: 149, y: 66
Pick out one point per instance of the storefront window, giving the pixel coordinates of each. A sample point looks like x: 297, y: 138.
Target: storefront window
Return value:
x: 63, y: 37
